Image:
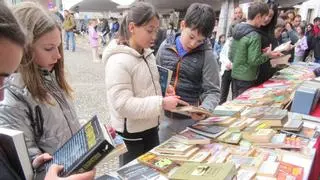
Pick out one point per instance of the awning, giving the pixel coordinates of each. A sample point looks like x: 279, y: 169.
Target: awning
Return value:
x: 107, y: 5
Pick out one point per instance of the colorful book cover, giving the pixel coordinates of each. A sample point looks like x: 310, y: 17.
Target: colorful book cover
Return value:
x: 289, y: 171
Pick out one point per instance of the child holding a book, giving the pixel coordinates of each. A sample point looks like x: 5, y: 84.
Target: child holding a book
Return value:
x: 195, y: 69
x: 13, y: 40
x: 246, y: 53
x: 132, y: 82
x: 38, y: 99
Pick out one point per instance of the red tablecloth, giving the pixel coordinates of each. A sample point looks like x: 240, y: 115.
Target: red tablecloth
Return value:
x: 315, y: 171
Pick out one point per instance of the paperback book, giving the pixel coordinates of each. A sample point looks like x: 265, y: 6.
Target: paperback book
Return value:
x: 165, y: 78
x: 189, y: 137
x: 173, y: 146
x: 161, y: 164
x: 14, y: 148
x: 188, y: 110
x: 138, y: 171
x: 83, y: 150
x: 209, y: 131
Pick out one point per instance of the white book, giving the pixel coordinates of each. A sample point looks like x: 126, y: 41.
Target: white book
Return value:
x: 14, y: 146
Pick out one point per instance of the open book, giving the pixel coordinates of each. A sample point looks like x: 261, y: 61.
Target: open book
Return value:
x: 280, y: 60
x: 283, y: 47
x: 187, y: 110
x: 165, y: 78
x: 14, y: 147
x: 84, y: 149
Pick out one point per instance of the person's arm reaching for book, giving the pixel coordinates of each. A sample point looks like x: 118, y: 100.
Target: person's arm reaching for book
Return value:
x: 210, y: 83
x: 125, y: 102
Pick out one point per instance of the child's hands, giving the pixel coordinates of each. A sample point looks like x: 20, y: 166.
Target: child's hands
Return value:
x: 170, y: 91
x: 170, y: 102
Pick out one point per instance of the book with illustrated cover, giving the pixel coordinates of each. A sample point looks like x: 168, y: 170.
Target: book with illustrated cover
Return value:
x: 230, y: 137
x: 275, y: 117
x: 213, y: 120
x: 289, y: 171
x: 138, y: 171
x: 241, y: 124
x: 190, y: 137
x: 83, y: 150
x: 161, y: 164
x: 173, y: 146
x: 188, y: 110
x: 165, y: 78
x: 241, y: 161
x: 209, y: 131
x: 201, y: 171
x: 13, y: 147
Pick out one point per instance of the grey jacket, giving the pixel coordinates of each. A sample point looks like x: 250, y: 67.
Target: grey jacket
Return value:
x: 198, y: 78
x: 59, y: 119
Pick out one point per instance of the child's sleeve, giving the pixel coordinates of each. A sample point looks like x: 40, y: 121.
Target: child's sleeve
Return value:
x: 210, y: 82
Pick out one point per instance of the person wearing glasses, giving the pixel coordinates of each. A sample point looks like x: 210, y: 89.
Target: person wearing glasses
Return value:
x: 195, y: 76
x: 38, y: 98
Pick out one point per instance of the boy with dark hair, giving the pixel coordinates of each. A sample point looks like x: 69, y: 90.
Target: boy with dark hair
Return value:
x: 195, y: 69
x: 245, y: 52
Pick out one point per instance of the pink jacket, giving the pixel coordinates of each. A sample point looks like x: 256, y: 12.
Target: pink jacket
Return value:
x: 93, y: 37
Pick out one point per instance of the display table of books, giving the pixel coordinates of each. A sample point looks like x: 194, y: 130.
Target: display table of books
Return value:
x: 251, y: 137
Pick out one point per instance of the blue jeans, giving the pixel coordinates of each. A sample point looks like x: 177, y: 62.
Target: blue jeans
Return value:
x: 73, y: 41
x: 317, y: 60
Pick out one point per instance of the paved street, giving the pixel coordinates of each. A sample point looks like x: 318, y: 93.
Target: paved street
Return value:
x: 87, y: 81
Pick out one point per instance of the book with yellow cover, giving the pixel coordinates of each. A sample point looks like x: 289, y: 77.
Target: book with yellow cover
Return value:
x: 161, y: 164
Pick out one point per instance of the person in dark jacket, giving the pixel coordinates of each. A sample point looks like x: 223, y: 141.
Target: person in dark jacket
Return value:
x: 195, y: 70
x: 266, y: 32
x: 246, y: 53
x: 12, y: 39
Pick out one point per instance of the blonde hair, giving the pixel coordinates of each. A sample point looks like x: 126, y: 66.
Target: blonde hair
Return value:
x: 38, y: 22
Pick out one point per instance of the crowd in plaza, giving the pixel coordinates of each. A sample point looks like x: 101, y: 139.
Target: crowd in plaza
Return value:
x: 37, y: 99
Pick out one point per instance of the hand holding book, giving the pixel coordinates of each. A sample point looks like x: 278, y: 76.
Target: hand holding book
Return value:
x: 171, y: 102
x: 54, y: 170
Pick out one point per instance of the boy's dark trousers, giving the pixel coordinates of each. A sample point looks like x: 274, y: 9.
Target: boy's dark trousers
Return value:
x: 240, y: 86
x: 138, y: 143
x: 226, y: 80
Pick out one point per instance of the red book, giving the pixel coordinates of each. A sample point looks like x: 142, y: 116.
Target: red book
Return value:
x: 289, y: 171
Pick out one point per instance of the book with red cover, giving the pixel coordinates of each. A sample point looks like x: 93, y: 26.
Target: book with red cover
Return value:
x: 289, y: 171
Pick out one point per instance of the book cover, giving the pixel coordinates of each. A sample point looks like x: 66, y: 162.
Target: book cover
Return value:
x: 178, y: 157
x: 282, y: 47
x: 138, y: 171
x: 161, y: 164
x: 280, y: 60
x: 201, y: 171
x: 289, y: 171
x: 246, y: 174
x: 209, y: 131
x: 187, y: 110
x: 83, y: 150
x: 268, y: 168
x: 165, y: 78
x: 14, y: 147
x: 172, y: 146
x: 213, y: 120
x: 260, y: 136
x: 190, y: 137
x: 223, y: 110
x: 294, y: 122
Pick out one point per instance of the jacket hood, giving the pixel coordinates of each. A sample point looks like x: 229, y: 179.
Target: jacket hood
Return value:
x: 242, y: 30
x: 171, y: 42
x: 114, y: 48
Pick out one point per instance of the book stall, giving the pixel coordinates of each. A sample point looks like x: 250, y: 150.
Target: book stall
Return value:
x: 268, y: 132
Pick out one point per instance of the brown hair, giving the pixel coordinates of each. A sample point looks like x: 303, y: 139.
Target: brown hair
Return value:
x: 38, y: 22
x: 9, y: 27
x: 140, y: 13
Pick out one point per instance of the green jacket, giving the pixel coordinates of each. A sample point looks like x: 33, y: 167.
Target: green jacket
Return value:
x: 69, y: 23
x: 246, y: 53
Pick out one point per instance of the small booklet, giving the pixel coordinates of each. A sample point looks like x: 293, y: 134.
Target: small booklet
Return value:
x: 14, y: 148
x: 83, y: 150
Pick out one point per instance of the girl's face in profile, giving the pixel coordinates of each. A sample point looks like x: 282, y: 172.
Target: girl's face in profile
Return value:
x: 46, y: 49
